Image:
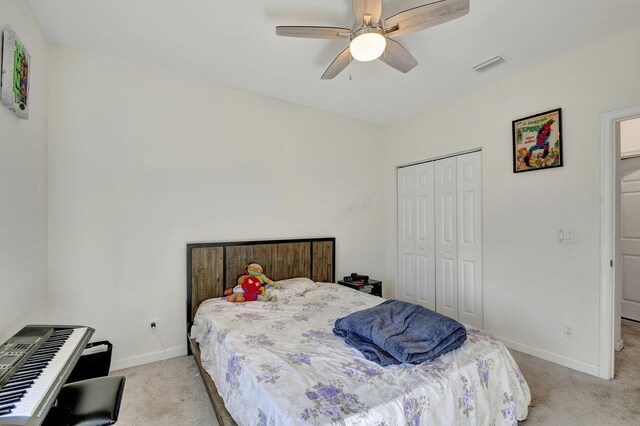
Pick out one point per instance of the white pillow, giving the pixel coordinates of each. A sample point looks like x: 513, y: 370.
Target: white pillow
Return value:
x: 297, y: 285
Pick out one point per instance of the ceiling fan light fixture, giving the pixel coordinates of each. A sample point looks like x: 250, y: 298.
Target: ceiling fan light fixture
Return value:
x: 367, y: 44
x: 372, y: 37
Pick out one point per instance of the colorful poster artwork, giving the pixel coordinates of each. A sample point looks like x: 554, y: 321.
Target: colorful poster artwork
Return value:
x: 537, y: 141
x: 16, y: 63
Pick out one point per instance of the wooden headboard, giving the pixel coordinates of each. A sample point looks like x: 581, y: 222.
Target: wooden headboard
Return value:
x: 214, y: 267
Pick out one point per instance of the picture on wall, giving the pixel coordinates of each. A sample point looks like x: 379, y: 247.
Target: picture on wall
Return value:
x: 537, y: 141
x: 14, y: 86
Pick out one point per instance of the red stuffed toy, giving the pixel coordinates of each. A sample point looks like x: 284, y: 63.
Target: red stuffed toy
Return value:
x: 248, y: 289
x: 252, y: 288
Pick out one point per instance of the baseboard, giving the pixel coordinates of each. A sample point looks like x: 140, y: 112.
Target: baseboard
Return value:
x: 574, y: 364
x: 119, y: 364
x: 619, y: 345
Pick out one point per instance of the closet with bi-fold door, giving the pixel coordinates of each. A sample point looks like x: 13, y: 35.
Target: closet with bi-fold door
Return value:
x: 440, y: 236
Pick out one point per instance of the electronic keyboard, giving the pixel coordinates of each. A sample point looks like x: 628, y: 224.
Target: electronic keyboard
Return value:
x: 34, y: 364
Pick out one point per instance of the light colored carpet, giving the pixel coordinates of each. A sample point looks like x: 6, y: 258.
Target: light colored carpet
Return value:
x: 171, y: 393
x: 165, y: 393
x: 561, y: 396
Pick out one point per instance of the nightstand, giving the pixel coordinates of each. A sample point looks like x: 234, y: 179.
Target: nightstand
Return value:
x: 373, y: 287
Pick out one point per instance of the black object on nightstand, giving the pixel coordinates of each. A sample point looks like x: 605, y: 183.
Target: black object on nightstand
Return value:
x: 373, y: 287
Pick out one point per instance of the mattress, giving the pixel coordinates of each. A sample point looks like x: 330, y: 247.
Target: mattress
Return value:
x: 279, y: 363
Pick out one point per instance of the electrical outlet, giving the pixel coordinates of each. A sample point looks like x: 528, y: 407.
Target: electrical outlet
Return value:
x: 567, y: 330
x: 565, y: 236
x: 153, y: 326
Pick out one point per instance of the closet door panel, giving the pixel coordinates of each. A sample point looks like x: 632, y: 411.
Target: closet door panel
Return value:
x: 469, y: 233
x: 446, y: 237
x: 440, y: 236
x: 447, y: 293
x: 425, y: 274
x: 406, y: 278
x: 406, y: 234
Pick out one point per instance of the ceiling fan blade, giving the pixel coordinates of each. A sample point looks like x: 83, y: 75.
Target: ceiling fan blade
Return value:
x: 372, y: 7
x: 314, y: 32
x: 425, y: 16
x: 398, y: 57
x: 338, y: 64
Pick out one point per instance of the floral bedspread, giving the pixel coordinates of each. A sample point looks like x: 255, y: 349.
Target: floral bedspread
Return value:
x: 280, y: 363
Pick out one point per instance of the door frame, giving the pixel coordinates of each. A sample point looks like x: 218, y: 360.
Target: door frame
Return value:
x: 609, y: 252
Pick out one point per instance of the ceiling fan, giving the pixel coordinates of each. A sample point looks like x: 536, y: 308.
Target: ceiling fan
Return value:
x: 372, y: 38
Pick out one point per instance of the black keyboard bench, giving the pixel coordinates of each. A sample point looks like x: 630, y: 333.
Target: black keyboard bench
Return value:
x: 93, y: 402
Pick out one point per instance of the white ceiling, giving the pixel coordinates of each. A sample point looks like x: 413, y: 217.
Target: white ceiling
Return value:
x: 233, y: 42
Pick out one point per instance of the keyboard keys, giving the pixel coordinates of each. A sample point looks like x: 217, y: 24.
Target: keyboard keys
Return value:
x: 22, y: 394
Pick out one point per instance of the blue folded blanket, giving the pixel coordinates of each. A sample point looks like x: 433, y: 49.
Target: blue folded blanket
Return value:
x: 397, y: 332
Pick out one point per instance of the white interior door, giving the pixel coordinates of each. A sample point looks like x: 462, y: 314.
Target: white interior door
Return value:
x: 469, y: 232
x: 424, y: 273
x: 406, y: 234
x: 630, y: 247
x: 445, y: 232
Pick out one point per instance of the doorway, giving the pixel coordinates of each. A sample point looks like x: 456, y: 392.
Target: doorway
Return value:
x: 628, y: 230
x: 629, y: 217
x: 611, y: 260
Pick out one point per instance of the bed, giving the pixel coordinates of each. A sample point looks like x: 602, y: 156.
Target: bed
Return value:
x: 279, y: 363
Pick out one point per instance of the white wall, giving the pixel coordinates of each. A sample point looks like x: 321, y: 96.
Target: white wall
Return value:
x: 143, y: 161
x: 630, y: 138
x: 23, y: 186
x: 532, y: 284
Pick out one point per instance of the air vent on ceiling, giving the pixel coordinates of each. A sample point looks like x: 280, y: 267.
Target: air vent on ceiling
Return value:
x: 493, y: 62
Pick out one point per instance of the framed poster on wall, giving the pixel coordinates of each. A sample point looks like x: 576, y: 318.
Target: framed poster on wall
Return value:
x: 14, y: 86
x: 537, y: 141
